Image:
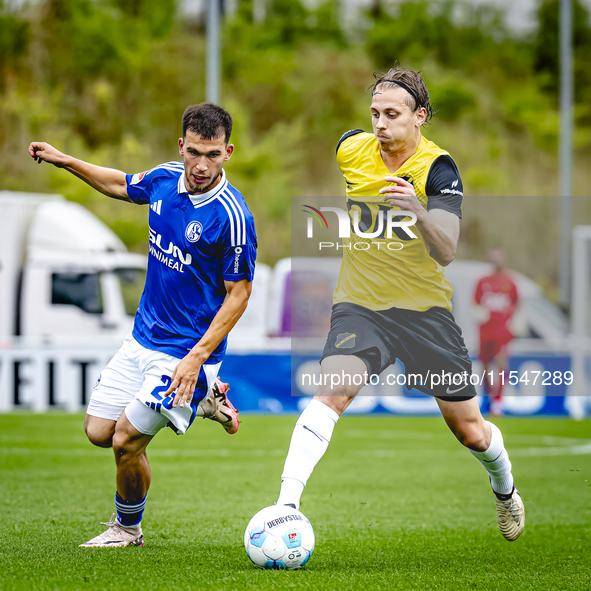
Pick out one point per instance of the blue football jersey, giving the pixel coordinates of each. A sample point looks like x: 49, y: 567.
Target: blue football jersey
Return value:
x: 197, y: 241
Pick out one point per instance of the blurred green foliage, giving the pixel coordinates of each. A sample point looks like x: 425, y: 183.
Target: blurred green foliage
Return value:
x: 422, y: 29
x: 546, y: 51
x: 14, y: 42
x: 108, y: 80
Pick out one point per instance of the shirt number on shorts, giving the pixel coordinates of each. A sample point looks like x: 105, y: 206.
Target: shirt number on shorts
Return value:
x: 166, y: 381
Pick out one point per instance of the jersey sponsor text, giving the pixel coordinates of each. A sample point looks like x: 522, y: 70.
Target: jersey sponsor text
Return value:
x: 172, y: 249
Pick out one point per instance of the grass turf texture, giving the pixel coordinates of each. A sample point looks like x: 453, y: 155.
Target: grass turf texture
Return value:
x: 396, y: 503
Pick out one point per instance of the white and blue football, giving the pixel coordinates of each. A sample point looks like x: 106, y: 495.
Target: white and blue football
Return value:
x: 279, y: 537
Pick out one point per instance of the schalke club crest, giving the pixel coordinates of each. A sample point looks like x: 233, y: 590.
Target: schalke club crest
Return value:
x: 193, y: 231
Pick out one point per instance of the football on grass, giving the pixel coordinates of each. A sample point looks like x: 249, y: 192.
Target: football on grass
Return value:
x: 279, y: 537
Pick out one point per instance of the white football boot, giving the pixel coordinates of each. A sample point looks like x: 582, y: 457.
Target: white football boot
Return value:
x: 117, y: 536
x: 511, y: 515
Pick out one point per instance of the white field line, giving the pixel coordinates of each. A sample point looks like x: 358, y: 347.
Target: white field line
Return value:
x: 575, y: 450
x: 387, y: 434
x: 551, y: 446
x: 556, y: 446
x: 168, y: 453
x: 226, y: 453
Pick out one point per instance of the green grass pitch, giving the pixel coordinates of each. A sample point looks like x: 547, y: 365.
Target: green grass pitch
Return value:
x: 396, y: 503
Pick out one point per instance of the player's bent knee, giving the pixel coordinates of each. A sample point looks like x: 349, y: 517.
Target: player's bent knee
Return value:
x: 100, y: 439
x: 123, y: 445
x: 472, y: 436
x: 128, y: 442
x: 99, y: 431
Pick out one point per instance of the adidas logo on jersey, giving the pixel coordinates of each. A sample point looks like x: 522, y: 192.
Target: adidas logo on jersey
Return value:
x: 157, y: 206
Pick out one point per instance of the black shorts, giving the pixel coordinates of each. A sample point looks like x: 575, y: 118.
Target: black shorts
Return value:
x: 429, y: 344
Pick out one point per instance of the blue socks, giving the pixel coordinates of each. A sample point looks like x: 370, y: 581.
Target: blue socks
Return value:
x: 129, y: 513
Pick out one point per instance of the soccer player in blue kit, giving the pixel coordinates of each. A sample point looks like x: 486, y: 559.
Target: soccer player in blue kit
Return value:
x: 200, y: 270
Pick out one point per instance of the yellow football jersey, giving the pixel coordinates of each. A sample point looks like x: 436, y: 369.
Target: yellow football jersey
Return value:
x: 386, y: 273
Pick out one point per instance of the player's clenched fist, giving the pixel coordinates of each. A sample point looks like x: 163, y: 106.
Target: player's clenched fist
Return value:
x: 42, y: 151
x: 401, y: 194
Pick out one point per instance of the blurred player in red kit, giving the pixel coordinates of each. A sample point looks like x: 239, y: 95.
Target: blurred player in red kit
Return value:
x: 496, y: 296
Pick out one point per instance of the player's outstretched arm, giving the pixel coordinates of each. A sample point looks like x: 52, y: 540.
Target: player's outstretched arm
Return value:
x: 109, y: 181
x: 186, y: 372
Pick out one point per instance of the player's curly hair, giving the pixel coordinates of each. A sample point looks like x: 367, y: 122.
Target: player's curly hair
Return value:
x: 411, y: 81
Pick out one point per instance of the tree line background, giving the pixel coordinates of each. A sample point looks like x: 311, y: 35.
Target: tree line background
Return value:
x: 108, y: 80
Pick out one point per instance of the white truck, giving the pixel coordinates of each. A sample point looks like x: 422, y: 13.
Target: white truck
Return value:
x: 63, y: 273
x: 68, y: 292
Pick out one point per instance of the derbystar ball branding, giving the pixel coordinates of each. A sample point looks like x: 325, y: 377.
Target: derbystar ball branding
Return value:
x: 284, y: 519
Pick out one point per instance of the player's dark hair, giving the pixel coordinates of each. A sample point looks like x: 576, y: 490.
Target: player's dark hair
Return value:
x: 207, y: 121
x: 411, y: 81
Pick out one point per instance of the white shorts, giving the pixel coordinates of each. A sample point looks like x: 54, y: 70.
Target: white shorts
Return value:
x: 134, y: 381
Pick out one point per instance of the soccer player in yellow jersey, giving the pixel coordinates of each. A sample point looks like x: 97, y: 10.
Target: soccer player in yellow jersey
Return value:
x: 395, y: 303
